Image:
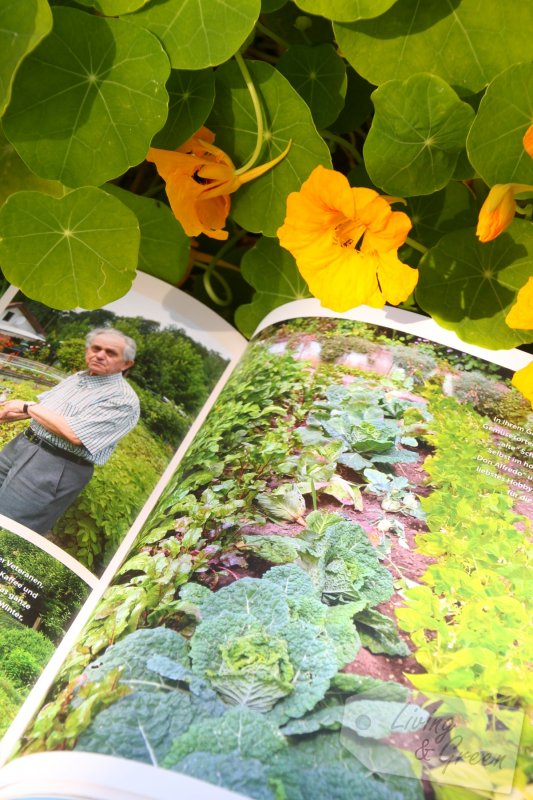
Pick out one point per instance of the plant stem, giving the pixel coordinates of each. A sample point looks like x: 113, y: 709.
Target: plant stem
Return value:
x: 271, y: 35
x: 258, y: 114
x: 203, y: 260
x: 343, y: 143
x: 208, y: 275
x: 416, y: 245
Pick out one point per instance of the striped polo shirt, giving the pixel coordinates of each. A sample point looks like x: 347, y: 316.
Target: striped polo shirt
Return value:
x: 100, y: 409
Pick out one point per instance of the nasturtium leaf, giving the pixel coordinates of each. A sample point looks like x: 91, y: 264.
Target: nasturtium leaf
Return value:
x: 468, y: 286
x: 191, y: 94
x: 165, y: 247
x: 505, y: 113
x: 319, y: 76
x: 80, y: 250
x: 112, y: 8
x: 273, y: 273
x: 199, y: 33
x: 418, y: 130
x: 16, y: 177
x: 87, y: 102
x: 345, y: 10
x: 260, y: 205
x: 23, y: 23
x: 467, y: 43
x: 442, y: 212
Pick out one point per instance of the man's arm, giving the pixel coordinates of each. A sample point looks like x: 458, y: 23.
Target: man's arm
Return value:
x: 55, y: 423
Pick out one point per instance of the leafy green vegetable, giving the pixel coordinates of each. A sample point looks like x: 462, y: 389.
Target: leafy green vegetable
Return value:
x: 285, y: 503
x: 379, y: 633
x: 254, y: 654
x: 241, y: 731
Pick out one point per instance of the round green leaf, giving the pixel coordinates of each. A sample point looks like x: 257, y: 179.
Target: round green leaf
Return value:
x: 80, y: 250
x: 273, y: 273
x: 466, y: 42
x: 16, y: 177
x: 319, y: 76
x: 469, y: 287
x: 345, y: 10
x: 191, y: 99
x: 87, y: 102
x: 442, y: 212
x: 112, y: 8
x: 165, y: 247
x: 23, y: 23
x: 494, y: 143
x: 419, y: 128
x: 199, y: 33
x: 260, y: 205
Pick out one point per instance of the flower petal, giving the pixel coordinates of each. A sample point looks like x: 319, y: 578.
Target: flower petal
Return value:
x: 496, y: 213
x: 528, y: 141
x: 397, y: 280
x: 523, y: 381
x: 521, y: 313
x: 249, y: 175
x: 498, y: 210
x: 343, y: 280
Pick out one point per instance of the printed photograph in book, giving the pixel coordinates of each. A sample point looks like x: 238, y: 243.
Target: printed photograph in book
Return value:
x: 330, y: 598
x: 41, y: 591
x: 93, y: 404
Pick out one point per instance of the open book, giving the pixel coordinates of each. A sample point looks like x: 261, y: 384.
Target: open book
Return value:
x: 302, y: 573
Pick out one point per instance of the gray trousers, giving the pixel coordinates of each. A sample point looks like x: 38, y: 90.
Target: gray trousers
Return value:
x: 36, y: 486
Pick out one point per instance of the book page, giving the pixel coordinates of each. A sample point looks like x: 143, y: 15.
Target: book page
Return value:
x: 184, y: 351
x: 329, y: 597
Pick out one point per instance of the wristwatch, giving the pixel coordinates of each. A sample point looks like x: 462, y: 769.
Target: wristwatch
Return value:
x: 27, y: 405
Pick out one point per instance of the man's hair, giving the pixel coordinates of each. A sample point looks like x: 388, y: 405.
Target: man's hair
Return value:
x: 130, y: 348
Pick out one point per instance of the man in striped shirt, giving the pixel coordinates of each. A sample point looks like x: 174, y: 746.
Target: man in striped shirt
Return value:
x: 75, y: 426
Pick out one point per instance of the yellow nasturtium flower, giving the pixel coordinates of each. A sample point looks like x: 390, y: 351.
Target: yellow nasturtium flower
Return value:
x: 498, y: 210
x: 523, y: 381
x: 199, y: 179
x: 521, y: 314
x: 345, y: 242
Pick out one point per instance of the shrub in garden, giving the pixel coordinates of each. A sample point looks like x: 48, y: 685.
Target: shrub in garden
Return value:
x: 37, y: 647
x: 9, y: 703
x: 166, y: 420
x: 21, y: 667
x: 489, y: 396
x: 416, y: 363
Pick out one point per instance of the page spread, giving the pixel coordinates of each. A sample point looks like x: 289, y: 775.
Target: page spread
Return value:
x: 327, y: 596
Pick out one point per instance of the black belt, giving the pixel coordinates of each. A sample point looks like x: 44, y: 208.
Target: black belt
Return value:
x: 56, y: 451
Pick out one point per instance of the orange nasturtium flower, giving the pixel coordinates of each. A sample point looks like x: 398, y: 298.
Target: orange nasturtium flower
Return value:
x: 199, y: 179
x: 527, y: 141
x: 498, y: 210
x: 345, y: 242
x: 521, y: 314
